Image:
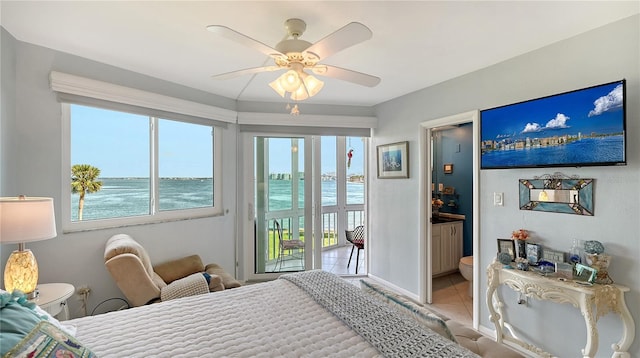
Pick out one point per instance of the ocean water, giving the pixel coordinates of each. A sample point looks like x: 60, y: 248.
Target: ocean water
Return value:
x: 122, y: 197
x: 602, y: 149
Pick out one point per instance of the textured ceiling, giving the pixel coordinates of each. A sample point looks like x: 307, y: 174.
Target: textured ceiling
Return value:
x: 415, y: 44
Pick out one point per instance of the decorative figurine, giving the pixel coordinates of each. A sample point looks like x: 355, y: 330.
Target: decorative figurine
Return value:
x: 593, y: 247
x: 505, y: 259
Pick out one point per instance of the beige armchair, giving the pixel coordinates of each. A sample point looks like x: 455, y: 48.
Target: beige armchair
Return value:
x: 142, y: 283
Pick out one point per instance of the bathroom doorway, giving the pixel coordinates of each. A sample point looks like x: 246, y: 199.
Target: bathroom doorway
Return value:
x: 460, y: 205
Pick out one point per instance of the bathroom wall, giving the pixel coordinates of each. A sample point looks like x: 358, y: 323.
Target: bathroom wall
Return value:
x: 455, y: 146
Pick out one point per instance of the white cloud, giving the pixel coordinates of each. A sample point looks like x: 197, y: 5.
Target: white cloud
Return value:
x: 532, y: 127
x: 559, y: 122
x: 609, y: 102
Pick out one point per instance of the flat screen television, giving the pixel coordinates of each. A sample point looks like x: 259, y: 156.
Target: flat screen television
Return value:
x: 585, y: 127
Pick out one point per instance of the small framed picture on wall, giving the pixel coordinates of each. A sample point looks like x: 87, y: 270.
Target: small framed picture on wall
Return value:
x: 393, y: 160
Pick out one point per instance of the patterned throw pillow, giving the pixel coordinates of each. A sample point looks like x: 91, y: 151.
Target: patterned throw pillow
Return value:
x: 47, y: 340
x: 409, y: 308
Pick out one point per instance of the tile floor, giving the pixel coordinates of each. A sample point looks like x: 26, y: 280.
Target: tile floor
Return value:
x: 333, y: 260
x: 450, y: 296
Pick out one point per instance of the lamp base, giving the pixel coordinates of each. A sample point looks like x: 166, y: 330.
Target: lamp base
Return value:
x: 21, y: 272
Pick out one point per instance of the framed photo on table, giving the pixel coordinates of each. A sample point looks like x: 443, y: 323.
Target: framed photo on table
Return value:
x: 393, y: 160
x: 508, y: 246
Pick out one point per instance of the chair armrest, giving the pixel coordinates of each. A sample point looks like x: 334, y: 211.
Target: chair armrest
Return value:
x: 177, y: 269
x: 132, y: 279
x: 191, y: 285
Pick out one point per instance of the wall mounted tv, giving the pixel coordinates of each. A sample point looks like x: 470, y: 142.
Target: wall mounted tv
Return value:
x: 585, y: 127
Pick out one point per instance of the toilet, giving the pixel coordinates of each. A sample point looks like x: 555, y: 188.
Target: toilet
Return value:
x: 466, y: 269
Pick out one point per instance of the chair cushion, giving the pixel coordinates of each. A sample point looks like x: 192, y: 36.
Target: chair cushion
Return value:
x: 292, y: 244
x: 177, y: 269
x: 124, y: 244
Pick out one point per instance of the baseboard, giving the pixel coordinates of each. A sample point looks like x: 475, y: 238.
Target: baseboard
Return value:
x: 395, y: 288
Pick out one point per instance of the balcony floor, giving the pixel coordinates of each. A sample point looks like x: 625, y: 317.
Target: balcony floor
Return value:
x: 334, y: 260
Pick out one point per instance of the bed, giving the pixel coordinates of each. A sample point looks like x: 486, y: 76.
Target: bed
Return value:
x: 311, y: 314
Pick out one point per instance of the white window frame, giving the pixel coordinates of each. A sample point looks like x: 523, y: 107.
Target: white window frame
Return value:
x: 156, y: 215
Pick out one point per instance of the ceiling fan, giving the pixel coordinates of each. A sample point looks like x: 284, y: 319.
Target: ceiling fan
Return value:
x: 295, y: 56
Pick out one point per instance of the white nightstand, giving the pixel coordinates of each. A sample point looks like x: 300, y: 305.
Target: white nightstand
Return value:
x: 53, y: 298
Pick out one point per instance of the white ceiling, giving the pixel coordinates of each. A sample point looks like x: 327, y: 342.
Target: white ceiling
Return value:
x: 415, y: 44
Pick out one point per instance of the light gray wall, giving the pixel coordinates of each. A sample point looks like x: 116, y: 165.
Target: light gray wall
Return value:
x: 606, y: 54
x: 7, y: 106
x: 32, y: 162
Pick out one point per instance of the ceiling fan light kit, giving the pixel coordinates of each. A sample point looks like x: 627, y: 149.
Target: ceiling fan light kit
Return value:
x: 295, y: 55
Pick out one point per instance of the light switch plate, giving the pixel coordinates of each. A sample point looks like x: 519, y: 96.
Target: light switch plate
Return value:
x: 498, y: 199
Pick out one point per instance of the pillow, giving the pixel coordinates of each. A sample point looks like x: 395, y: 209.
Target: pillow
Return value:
x: 214, y: 281
x: 68, y: 328
x: 48, y: 340
x: 17, y: 319
x: 422, y: 315
x: 19, y: 316
x: 227, y: 280
x: 191, y: 285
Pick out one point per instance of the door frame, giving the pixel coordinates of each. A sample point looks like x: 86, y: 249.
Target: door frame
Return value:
x: 425, y: 179
x: 247, y: 213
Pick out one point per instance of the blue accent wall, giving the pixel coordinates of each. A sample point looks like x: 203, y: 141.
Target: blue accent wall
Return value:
x: 455, y: 146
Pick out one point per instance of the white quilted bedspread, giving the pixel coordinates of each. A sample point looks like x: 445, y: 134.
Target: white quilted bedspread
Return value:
x: 271, y: 319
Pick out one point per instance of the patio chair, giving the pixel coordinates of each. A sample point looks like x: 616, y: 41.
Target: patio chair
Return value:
x: 356, y: 237
x: 287, y: 245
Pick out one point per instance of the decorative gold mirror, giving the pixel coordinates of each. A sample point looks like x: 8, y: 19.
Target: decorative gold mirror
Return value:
x: 557, y: 193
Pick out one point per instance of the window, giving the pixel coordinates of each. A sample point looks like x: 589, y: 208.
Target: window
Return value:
x: 150, y: 169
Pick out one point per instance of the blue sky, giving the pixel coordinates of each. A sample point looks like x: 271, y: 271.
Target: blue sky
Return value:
x: 118, y: 144
x: 596, y: 109
x: 280, y: 161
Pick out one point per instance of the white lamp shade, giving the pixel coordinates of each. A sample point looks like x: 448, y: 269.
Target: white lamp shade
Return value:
x: 290, y: 81
x: 313, y: 85
x: 24, y: 219
x: 300, y: 94
x: 277, y: 87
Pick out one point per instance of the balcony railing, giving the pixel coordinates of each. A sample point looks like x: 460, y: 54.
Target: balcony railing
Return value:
x: 330, y: 231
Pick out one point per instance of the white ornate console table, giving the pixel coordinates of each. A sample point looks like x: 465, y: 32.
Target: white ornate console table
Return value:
x: 593, y: 301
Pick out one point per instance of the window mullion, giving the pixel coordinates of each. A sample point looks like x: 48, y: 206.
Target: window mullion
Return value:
x: 153, y: 175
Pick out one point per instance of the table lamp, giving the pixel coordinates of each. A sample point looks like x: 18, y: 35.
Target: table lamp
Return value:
x: 24, y: 219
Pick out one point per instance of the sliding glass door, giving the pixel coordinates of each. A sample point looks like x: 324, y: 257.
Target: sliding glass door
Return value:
x: 284, y: 234
x: 304, y: 192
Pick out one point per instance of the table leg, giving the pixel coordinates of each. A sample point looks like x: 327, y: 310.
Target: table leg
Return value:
x: 64, y: 314
x: 620, y: 350
x: 494, y: 310
x: 586, y: 308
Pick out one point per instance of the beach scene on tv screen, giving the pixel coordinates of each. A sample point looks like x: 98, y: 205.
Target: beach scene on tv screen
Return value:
x: 583, y: 127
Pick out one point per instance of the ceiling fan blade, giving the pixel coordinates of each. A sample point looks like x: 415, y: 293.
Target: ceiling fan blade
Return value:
x: 347, y: 36
x: 247, y: 71
x: 359, y: 78
x: 245, y: 40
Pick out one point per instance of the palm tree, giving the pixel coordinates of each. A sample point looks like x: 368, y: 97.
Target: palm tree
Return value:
x: 83, y: 180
